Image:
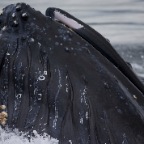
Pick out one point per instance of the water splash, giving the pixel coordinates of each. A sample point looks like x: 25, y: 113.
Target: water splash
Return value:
x: 7, y: 137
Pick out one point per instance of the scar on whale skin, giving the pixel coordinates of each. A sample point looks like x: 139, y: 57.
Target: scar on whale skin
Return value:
x: 68, y: 21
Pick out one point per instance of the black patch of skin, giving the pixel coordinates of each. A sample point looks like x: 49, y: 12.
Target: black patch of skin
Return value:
x: 54, y: 81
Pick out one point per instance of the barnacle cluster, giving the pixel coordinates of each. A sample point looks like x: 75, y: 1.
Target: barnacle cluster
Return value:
x: 3, y: 115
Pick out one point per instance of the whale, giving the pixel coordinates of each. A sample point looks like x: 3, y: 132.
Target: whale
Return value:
x: 61, y: 77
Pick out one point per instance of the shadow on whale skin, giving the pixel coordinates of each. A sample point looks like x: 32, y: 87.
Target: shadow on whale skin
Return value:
x: 55, y: 80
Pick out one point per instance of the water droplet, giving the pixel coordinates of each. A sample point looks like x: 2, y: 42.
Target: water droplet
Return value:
x: 81, y: 120
x: 134, y: 96
x: 67, y: 49
x: 41, y: 78
x: 15, y: 23
x: 18, y: 96
x: 39, y: 44
x: 86, y: 115
x: 4, y: 28
x: 25, y: 16
x: 66, y: 89
x: 70, y: 141
x: 13, y: 15
x: 39, y: 96
x: 45, y: 72
x: 32, y: 39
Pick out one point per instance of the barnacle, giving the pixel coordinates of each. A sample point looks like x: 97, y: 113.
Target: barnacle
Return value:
x: 2, y: 107
x: 3, y: 115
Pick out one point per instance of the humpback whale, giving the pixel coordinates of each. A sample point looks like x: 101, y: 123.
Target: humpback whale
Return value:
x: 59, y: 76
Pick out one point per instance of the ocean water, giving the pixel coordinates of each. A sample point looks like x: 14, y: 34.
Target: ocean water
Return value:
x: 120, y: 21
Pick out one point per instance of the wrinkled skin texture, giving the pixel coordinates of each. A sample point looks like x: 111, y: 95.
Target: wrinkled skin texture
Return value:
x: 55, y: 81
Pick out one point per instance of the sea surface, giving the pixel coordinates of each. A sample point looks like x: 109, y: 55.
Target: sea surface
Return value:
x: 120, y: 21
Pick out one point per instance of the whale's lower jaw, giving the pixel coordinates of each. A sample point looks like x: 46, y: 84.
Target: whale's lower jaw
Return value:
x: 55, y: 80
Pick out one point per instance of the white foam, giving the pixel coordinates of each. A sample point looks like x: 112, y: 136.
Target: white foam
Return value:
x: 1, y: 12
x: 7, y: 137
x: 68, y: 21
x: 137, y: 66
x: 139, y: 69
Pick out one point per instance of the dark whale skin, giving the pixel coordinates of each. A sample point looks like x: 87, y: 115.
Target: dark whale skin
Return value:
x: 102, y: 45
x: 55, y: 81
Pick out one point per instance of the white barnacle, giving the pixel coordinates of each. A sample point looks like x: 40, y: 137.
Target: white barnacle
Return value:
x: 4, y: 28
x: 40, y: 96
x: 15, y: 22
x: 134, y: 96
x: 41, y: 77
x: 24, y: 14
x: 7, y: 53
x: 54, y: 123
x: 81, y: 120
x: 13, y: 15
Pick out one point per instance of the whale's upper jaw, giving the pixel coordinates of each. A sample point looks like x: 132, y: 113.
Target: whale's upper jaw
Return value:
x: 18, y: 18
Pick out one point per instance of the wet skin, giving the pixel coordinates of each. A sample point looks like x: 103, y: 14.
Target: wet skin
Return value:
x: 65, y: 82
